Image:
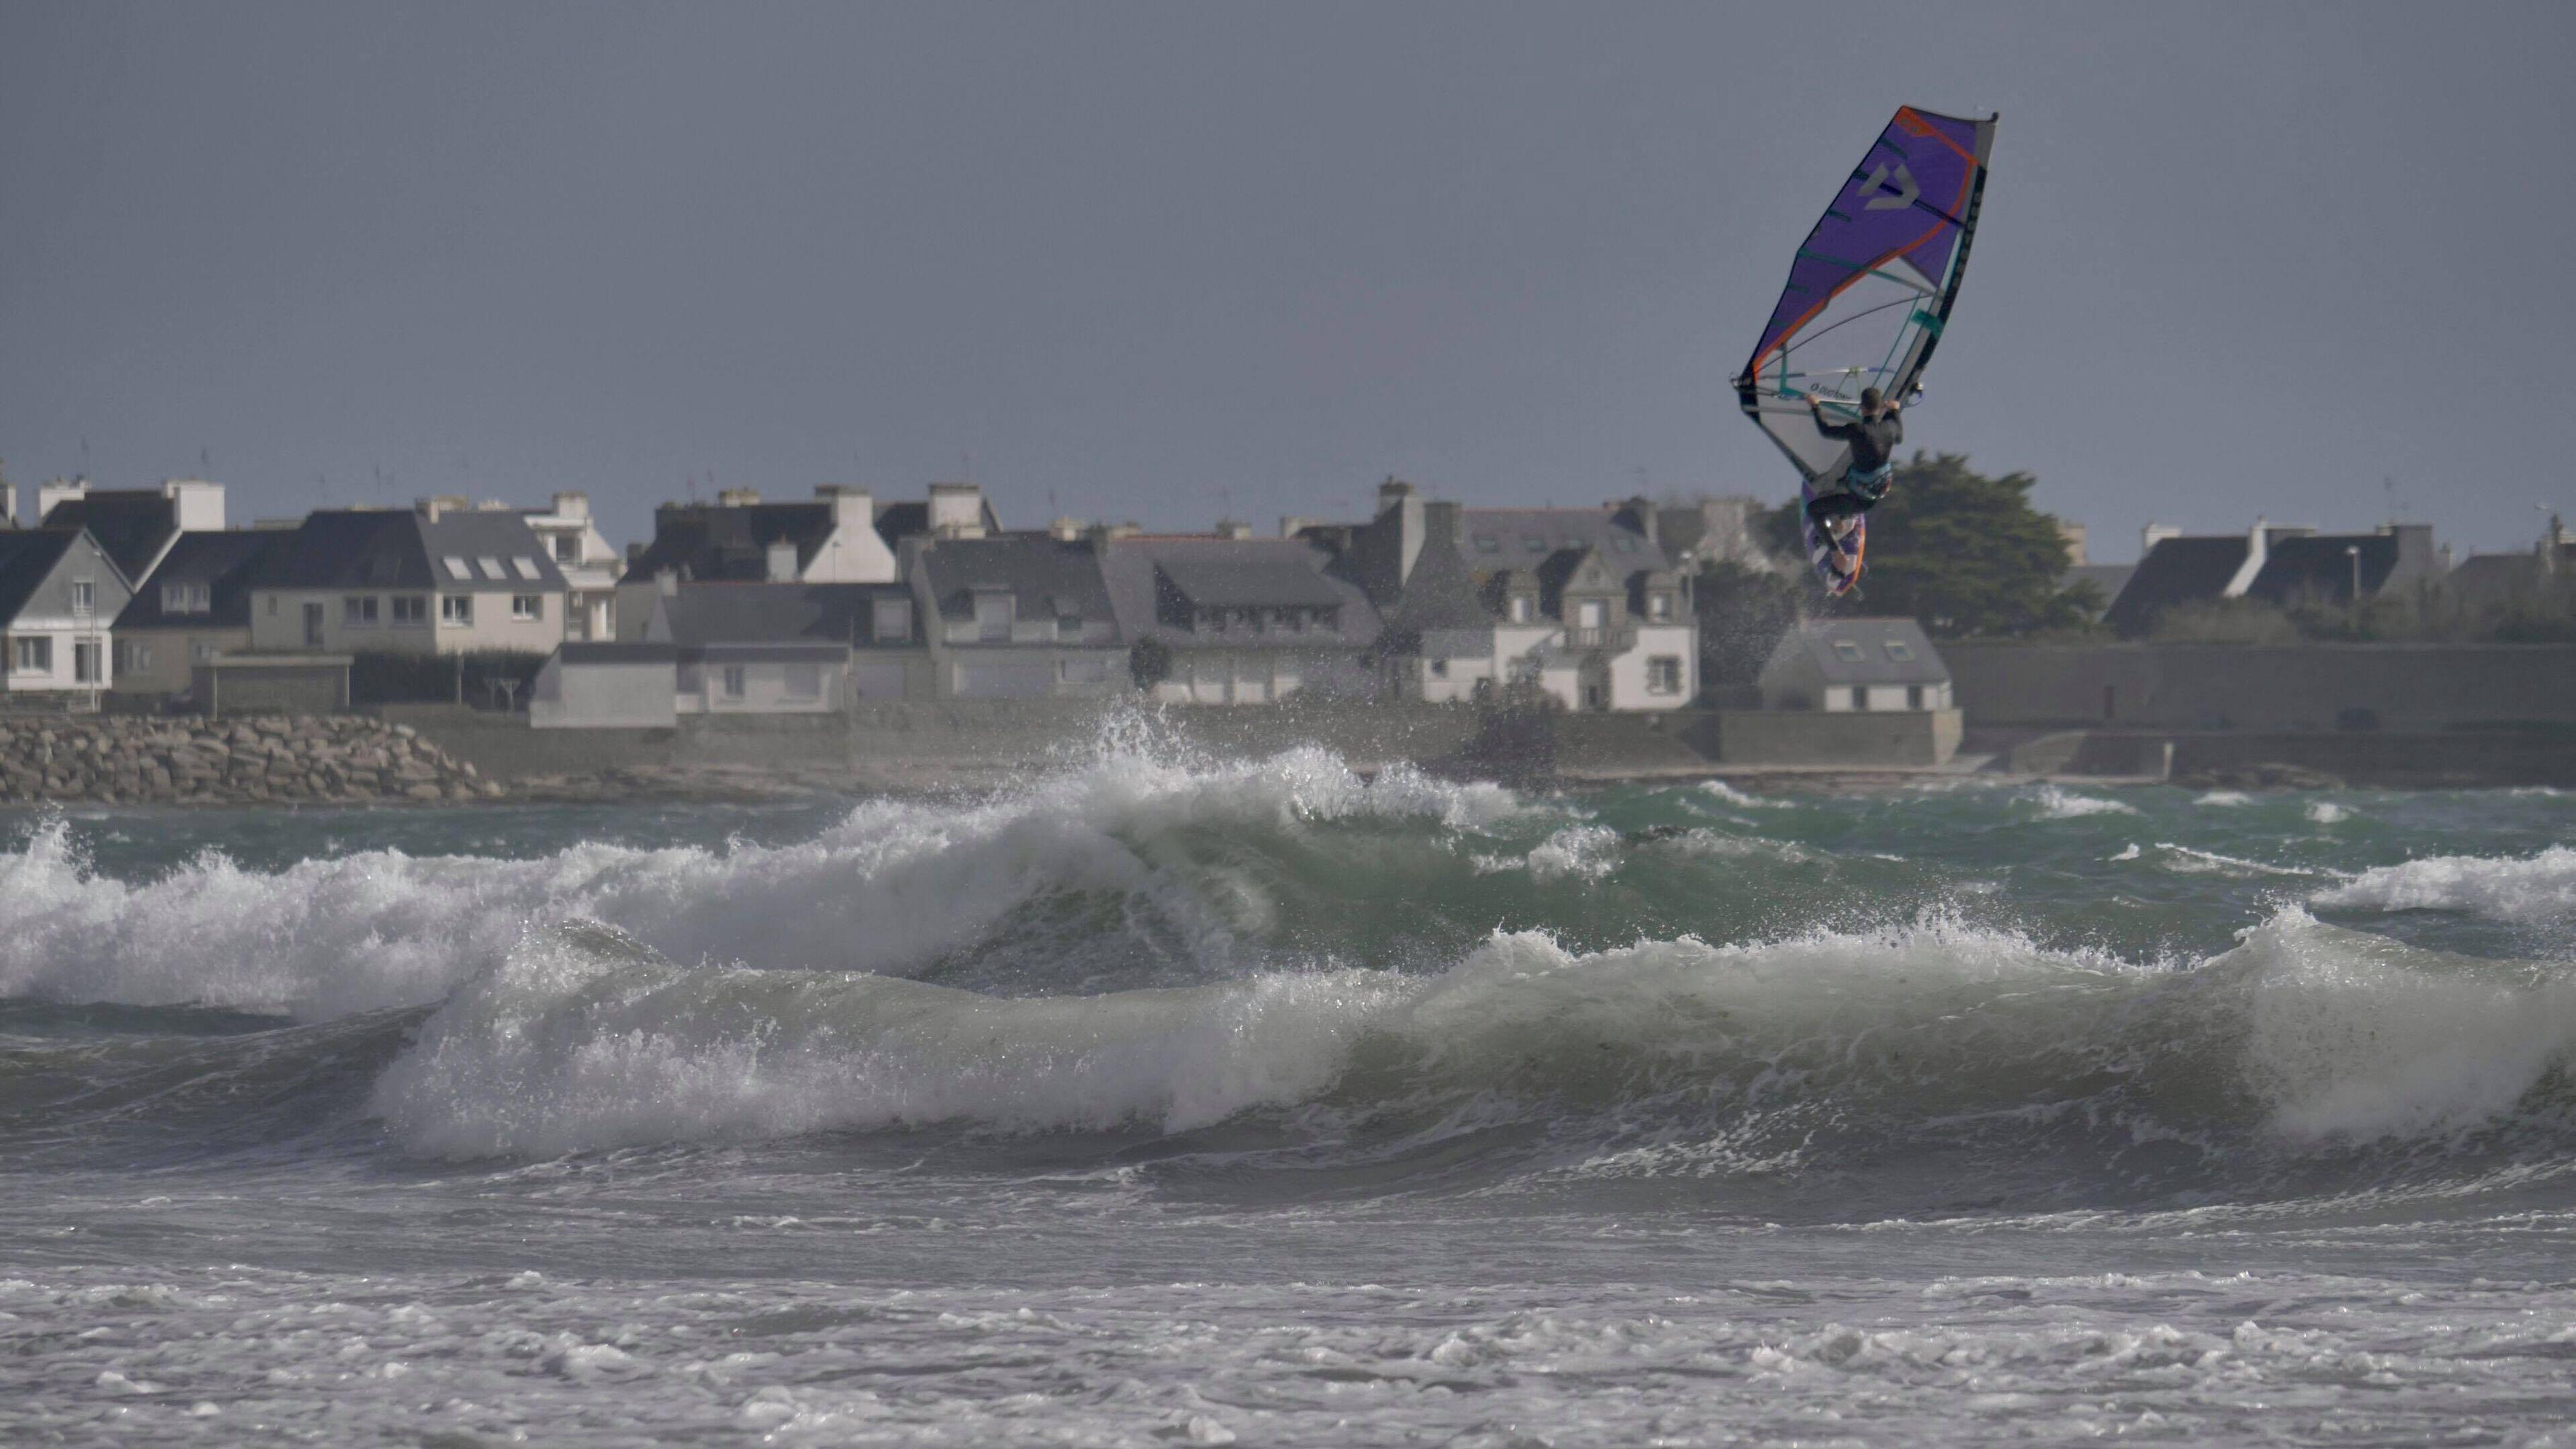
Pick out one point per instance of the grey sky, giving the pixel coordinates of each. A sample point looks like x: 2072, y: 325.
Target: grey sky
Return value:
x: 1173, y: 262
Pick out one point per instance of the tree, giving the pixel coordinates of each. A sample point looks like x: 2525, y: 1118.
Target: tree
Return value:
x: 1962, y: 552
x: 1742, y: 613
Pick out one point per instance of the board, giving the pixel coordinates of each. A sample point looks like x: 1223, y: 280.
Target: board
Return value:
x: 1836, y: 570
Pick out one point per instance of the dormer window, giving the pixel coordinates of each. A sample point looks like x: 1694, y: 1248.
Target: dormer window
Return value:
x: 1523, y: 608
x: 1488, y: 543
x: 1848, y: 652
x: 1659, y: 606
x: 1899, y: 650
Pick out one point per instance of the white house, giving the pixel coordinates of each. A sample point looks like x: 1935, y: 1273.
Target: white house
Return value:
x: 1018, y: 616
x: 1583, y: 603
x: 425, y: 580
x: 1239, y: 620
x: 589, y: 565
x: 1869, y: 666
x: 59, y: 595
x: 836, y: 539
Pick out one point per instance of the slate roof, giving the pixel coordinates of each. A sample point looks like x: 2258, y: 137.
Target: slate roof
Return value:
x: 387, y: 548
x: 2176, y: 571
x: 2106, y: 579
x: 715, y: 541
x: 225, y: 562
x: 2316, y: 567
x: 899, y: 521
x: 2490, y: 581
x: 27, y: 556
x: 130, y: 524
x: 1050, y: 578
x: 1877, y: 664
x: 1525, y: 537
x: 1441, y: 595
x: 732, y: 613
x: 1151, y: 580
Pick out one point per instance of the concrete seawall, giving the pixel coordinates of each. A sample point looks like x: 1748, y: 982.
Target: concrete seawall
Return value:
x: 2284, y: 689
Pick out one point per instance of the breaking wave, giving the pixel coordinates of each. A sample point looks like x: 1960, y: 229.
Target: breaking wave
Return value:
x: 2540, y: 887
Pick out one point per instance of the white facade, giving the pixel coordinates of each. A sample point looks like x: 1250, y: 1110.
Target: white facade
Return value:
x: 583, y: 555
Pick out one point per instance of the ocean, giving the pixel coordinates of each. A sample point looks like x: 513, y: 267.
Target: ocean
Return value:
x: 1165, y: 1100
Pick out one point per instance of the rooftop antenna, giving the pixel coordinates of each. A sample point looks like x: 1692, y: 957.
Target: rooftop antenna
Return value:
x: 205, y: 463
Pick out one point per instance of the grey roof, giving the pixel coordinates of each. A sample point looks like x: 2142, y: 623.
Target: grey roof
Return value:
x: 1156, y: 584
x: 130, y: 524
x: 2107, y: 579
x: 711, y: 541
x: 1049, y: 577
x: 730, y: 613
x: 617, y: 652
x: 27, y: 557
x: 1871, y: 638
x: 2486, y: 581
x: 2175, y: 571
x: 387, y: 548
x: 2317, y: 567
x: 224, y: 562
x: 1525, y: 537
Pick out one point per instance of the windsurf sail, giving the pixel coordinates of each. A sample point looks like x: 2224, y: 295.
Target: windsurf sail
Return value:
x: 1872, y: 286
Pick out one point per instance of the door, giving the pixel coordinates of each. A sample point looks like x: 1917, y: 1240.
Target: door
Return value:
x: 313, y: 626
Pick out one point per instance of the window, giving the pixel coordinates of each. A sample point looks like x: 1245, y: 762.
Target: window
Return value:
x: 1524, y: 608
x: 1860, y: 697
x: 1488, y: 543
x: 202, y: 652
x: 993, y: 618
x: 84, y: 596
x: 1664, y: 674
x: 187, y: 598
x: 1592, y: 614
x: 567, y: 548
x: 34, y: 656
x: 733, y: 681
x: 1899, y: 650
x: 893, y: 623
x: 411, y: 608
x: 1069, y: 627
x: 527, y: 606
x: 457, y: 568
x: 527, y: 567
x: 85, y: 658
x: 132, y: 657
x: 1659, y: 606
x: 804, y: 681
x: 1440, y: 669
x: 456, y: 609
x: 491, y: 567
x: 1914, y: 696
x: 358, y: 611
x: 1533, y: 543
x: 1848, y: 652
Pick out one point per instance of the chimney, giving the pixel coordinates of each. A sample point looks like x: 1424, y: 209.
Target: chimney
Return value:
x: 634, y: 554
x: 1065, y: 530
x: 853, y: 509
x: 58, y: 491
x: 8, y: 503
x: 429, y: 508
x: 199, y: 504
x: 737, y: 497
x: 667, y: 583
x: 2153, y: 534
x: 1440, y: 523
x: 2258, y: 548
x: 1642, y: 509
x: 2074, y: 534
x: 782, y: 562
x: 1228, y: 528
x: 956, y: 510
x: 1397, y: 497
x: 571, y: 505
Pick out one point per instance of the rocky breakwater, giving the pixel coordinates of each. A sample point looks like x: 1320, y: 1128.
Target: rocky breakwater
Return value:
x: 335, y: 759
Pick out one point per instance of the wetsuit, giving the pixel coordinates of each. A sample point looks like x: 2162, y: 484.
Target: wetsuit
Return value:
x: 1873, y: 462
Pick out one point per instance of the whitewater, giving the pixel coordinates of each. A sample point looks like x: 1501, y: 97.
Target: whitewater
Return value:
x: 1169, y: 1099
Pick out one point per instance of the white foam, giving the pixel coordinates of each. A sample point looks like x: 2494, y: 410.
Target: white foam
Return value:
x: 1738, y: 798
x: 2534, y: 888
x: 2326, y: 812
x: 2224, y: 798
x: 887, y: 889
x: 2058, y: 803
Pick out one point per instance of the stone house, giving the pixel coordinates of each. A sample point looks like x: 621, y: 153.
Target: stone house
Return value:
x: 60, y: 594
x: 424, y: 580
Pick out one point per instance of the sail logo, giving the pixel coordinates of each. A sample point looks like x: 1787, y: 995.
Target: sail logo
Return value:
x: 1877, y: 189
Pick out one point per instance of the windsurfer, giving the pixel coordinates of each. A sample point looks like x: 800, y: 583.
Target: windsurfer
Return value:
x: 1873, y: 439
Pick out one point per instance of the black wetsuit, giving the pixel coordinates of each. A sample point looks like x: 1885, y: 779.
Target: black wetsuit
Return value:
x: 1873, y: 447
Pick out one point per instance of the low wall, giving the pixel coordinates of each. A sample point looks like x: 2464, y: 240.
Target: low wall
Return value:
x: 1916, y: 739
x: 2264, y: 688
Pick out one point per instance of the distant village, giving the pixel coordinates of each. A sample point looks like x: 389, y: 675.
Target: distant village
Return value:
x: 153, y: 600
